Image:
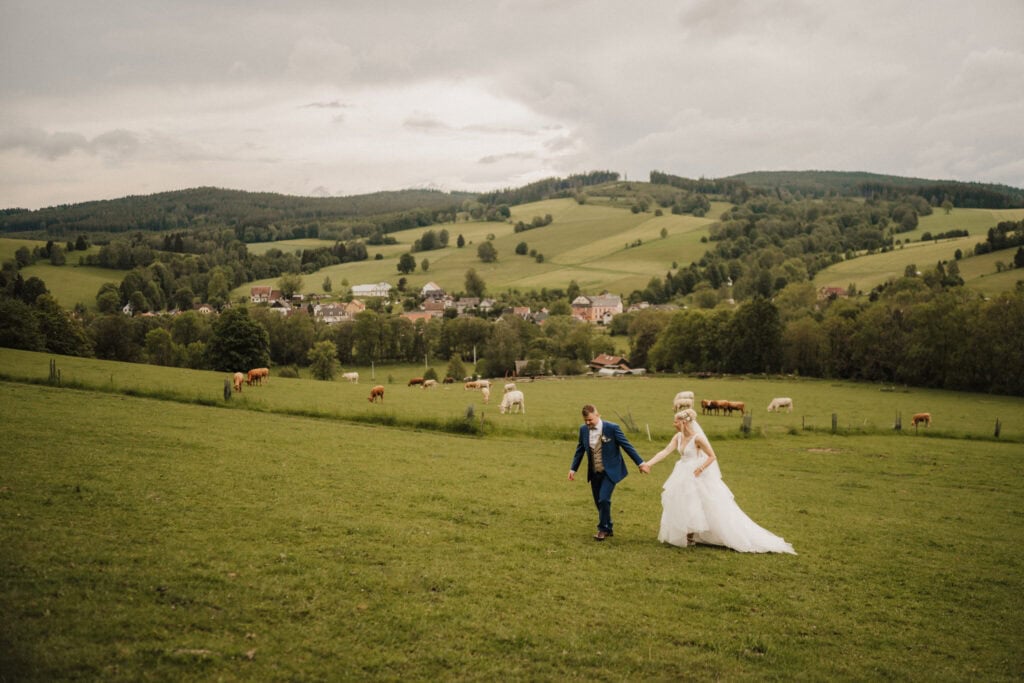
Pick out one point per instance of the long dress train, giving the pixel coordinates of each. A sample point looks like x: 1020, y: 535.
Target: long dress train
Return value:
x: 704, y: 506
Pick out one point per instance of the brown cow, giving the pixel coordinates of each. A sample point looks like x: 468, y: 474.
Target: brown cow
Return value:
x: 922, y: 417
x: 375, y: 393
x: 237, y: 381
x: 449, y: 380
x: 414, y: 381
x: 253, y: 377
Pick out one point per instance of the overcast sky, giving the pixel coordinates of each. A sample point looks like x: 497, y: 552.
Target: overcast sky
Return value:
x: 102, y: 98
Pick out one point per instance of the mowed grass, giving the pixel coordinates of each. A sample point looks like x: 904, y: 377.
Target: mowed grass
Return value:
x: 979, y: 272
x: 553, y: 405
x: 587, y: 243
x: 149, y: 539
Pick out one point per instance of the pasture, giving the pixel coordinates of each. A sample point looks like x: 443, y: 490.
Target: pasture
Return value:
x: 154, y: 539
x: 586, y: 243
x: 552, y: 405
x: 979, y: 272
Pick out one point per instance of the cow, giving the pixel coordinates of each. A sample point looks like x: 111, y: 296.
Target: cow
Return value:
x: 351, y: 377
x: 926, y: 418
x: 449, y: 380
x: 510, y: 386
x: 683, y: 400
x: 734, y: 405
x: 429, y: 383
x: 778, y: 404
x: 254, y: 376
x: 377, y: 393
x: 471, y: 384
x: 486, y: 393
x: 237, y: 381
x: 512, y: 402
x: 415, y: 381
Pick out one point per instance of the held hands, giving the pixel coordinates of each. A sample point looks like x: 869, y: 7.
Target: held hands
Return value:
x: 645, y: 468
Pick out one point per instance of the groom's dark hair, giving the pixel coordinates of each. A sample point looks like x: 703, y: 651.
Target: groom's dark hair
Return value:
x: 588, y: 409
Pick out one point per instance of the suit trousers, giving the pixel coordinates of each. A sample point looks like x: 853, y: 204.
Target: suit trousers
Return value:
x: 602, y: 486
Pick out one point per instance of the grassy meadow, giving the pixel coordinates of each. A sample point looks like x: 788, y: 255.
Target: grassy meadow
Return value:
x: 979, y: 272
x: 158, y: 538
x: 552, y: 405
x: 586, y: 243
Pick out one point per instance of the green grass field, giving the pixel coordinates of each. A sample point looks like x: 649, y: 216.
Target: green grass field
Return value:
x: 160, y: 539
x: 586, y: 243
x: 979, y: 272
x: 553, y: 404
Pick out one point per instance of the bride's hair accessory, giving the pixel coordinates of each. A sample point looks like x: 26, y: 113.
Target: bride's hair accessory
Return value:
x: 688, y: 415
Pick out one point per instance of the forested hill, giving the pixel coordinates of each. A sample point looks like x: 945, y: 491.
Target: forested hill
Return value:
x: 211, y: 206
x: 856, y: 184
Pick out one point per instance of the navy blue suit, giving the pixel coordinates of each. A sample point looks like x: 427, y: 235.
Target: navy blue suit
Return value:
x: 602, y: 484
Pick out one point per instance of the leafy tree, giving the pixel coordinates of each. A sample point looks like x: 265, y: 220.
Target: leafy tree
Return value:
x: 238, y: 342
x: 218, y: 289
x: 755, y: 336
x: 64, y: 334
x: 1018, y: 258
x: 323, y: 360
x: 112, y: 337
x: 406, y: 263
x: 425, y: 265
x: 456, y: 369
x: 290, y: 337
x: 289, y: 284
x: 19, y: 328
x: 58, y: 256
x: 486, y: 252
x: 160, y: 347
x: 327, y: 285
x: 643, y: 331
x: 522, y: 248
x: 474, y: 284
x: 368, y: 337
x: 460, y: 242
x: 31, y: 290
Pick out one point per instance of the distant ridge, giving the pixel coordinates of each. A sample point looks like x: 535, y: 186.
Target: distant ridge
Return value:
x: 863, y: 184
x: 182, y: 209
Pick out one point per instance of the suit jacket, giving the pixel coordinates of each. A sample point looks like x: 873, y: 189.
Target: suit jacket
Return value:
x: 612, y: 443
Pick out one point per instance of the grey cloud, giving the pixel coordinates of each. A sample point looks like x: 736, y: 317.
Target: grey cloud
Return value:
x: 333, y: 104
x: 511, y: 156
x: 53, y: 146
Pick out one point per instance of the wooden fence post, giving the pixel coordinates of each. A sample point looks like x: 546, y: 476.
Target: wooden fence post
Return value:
x: 899, y: 421
x: 745, y: 427
x: 227, y: 390
x: 999, y: 426
x: 835, y: 422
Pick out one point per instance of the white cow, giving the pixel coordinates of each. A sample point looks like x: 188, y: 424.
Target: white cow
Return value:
x: 351, y: 377
x: 429, y: 383
x: 778, y: 404
x: 511, y: 386
x: 682, y: 401
x: 486, y: 393
x: 512, y: 402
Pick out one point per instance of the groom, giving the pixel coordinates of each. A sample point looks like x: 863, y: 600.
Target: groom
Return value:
x: 603, y: 443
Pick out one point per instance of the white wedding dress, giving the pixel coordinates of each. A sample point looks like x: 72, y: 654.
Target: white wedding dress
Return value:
x: 704, y: 506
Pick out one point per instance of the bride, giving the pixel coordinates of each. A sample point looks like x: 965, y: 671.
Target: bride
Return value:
x: 697, y: 506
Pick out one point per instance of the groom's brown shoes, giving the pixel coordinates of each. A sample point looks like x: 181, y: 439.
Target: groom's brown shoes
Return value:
x: 601, y: 535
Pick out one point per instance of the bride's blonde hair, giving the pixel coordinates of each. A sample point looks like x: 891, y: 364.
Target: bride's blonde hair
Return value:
x: 688, y: 415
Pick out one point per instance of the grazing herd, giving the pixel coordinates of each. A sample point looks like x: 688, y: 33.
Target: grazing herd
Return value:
x: 513, y: 401
x: 256, y: 376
